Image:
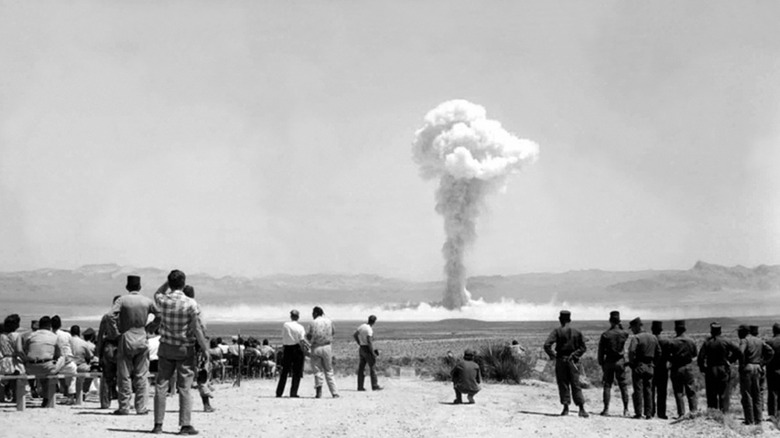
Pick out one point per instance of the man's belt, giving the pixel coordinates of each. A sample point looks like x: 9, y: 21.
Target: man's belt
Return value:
x: 320, y: 344
x: 39, y: 361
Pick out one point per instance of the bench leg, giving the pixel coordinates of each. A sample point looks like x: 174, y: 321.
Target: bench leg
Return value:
x: 51, y: 392
x: 20, y: 396
x: 79, y: 390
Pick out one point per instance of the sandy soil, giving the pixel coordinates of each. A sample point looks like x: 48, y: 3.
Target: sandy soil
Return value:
x: 407, y: 407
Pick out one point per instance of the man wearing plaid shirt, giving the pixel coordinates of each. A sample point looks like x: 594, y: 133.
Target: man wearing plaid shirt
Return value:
x: 179, y: 330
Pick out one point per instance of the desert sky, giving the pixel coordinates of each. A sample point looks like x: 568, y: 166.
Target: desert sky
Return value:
x: 259, y: 137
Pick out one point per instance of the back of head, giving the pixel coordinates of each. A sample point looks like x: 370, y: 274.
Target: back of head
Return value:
x: 564, y: 317
x: 656, y: 327
x: 116, y: 298
x: 213, y: 343
x: 265, y: 341
x: 372, y: 320
x: 743, y: 331
x: 753, y: 330
x: 469, y: 354
x: 75, y: 330
x: 679, y: 326
x: 11, y: 323
x: 189, y: 291
x: 317, y: 311
x: 44, y: 323
x: 89, y: 334
x: 56, y: 323
x: 133, y: 283
x: 715, y: 329
x: 776, y: 328
x: 177, y: 280
x: 294, y: 314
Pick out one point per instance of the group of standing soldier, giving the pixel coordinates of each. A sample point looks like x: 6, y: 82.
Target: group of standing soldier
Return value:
x: 653, y: 359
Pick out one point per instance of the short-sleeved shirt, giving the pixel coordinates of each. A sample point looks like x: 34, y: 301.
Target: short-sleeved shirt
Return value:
x: 64, y: 339
x: 42, y: 345
x: 364, y: 332
x: 292, y: 333
x: 177, y: 313
x: 82, y: 350
x: 133, y: 311
x: 321, y: 331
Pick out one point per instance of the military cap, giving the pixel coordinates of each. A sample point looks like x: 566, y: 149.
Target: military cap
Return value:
x: 469, y: 353
x: 753, y: 330
x: 776, y: 327
x: 565, y: 315
x: 133, y: 283
x: 743, y: 328
x: 679, y: 324
x: 715, y: 328
x: 636, y: 322
x: 614, y: 316
x: 657, y: 325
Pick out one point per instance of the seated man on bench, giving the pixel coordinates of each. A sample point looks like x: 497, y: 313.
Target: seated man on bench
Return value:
x: 43, y: 356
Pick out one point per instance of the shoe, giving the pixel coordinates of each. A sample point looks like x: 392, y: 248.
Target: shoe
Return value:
x: 188, y: 430
x: 318, y: 392
x: 457, y: 401
x: 294, y: 396
x: 637, y: 417
x: 663, y: 417
x: 157, y: 429
x: 377, y: 388
x: 278, y: 395
x: 605, y: 413
x: 362, y: 389
x: 626, y: 414
x: 336, y: 396
x: 565, y: 410
x: 144, y: 412
x: 583, y: 413
x: 648, y: 417
x: 208, y: 409
x: 120, y: 412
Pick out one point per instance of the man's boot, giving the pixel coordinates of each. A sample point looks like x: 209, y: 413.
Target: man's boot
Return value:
x: 318, y: 393
x: 565, y: 410
x: 607, y: 395
x: 583, y: 413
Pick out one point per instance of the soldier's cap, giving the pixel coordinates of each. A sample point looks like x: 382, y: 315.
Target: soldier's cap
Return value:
x: 614, y: 316
x: 469, y: 353
x: 636, y: 322
x: 776, y: 327
x: 657, y: 325
x: 743, y: 328
x: 133, y: 282
x: 715, y: 325
x: 565, y: 315
x: 754, y: 330
x: 680, y: 323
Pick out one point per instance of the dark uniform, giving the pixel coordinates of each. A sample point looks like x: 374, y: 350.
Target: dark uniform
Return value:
x: 682, y: 352
x: 714, y: 357
x: 610, y: 357
x: 660, y: 372
x: 754, y: 353
x: 107, y: 351
x: 642, y: 352
x: 762, y: 370
x: 569, y: 347
x: 773, y: 374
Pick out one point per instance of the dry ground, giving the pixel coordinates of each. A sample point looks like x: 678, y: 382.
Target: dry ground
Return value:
x: 406, y: 408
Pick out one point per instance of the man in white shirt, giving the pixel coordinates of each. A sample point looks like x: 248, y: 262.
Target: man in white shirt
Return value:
x: 364, y: 336
x: 293, y: 334
x: 63, y: 338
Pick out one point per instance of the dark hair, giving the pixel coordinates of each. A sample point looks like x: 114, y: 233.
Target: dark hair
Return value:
x: 44, y: 322
x: 116, y: 298
x: 56, y: 323
x: 177, y: 280
x: 219, y: 340
x: 11, y: 323
x: 189, y: 291
x: 317, y: 311
x: 265, y: 341
x: 214, y: 343
x: 372, y: 319
x: 75, y: 330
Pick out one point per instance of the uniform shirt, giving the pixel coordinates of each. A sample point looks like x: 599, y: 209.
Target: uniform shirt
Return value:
x: 292, y: 333
x: 42, y: 345
x: 364, y: 332
x: 133, y: 311
x: 568, y: 342
x: 755, y: 351
x: 611, y: 345
x: 717, y: 351
x: 466, y: 376
x: 682, y: 351
x: 178, y: 318
x: 108, y: 332
x: 321, y: 331
x: 82, y: 350
x: 64, y: 339
x: 666, y: 346
x: 644, y: 348
x: 774, y: 343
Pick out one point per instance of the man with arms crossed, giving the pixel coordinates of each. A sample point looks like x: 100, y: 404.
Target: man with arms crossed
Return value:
x: 293, y: 334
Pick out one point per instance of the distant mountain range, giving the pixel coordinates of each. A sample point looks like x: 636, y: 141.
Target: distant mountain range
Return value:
x: 93, y: 286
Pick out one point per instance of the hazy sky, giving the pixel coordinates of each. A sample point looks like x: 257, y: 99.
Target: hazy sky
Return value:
x: 264, y: 137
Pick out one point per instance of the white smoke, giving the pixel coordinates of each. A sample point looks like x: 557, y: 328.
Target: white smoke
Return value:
x: 472, y: 156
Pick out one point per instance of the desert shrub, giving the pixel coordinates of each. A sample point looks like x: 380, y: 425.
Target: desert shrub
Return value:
x: 499, y: 364
x: 591, y: 370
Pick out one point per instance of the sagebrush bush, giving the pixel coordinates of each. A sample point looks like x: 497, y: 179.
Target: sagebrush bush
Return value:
x: 500, y: 364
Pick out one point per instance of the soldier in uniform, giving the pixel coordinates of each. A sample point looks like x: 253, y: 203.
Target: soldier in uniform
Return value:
x: 569, y: 347
x: 773, y: 373
x: 682, y: 352
x: 714, y: 357
x: 642, y: 352
x: 610, y: 357
x: 762, y: 372
x: 754, y: 353
x: 660, y: 372
x: 106, y: 348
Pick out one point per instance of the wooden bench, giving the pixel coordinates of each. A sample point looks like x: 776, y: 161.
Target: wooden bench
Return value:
x: 51, y: 389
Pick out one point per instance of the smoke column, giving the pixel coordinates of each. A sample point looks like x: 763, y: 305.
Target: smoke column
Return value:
x: 472, y: 156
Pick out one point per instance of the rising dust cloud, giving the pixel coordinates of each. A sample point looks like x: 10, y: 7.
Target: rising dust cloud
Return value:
x: 472, y: 156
